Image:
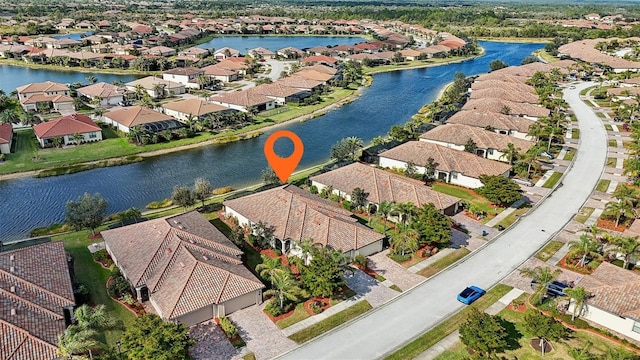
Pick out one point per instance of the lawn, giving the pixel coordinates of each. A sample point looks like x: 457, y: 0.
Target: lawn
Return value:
x: 468, y: 195
x: 292, y: 111
x: 546, y: 56
x: 613, y: 143
x: 94, y: 277
x: 571, y: 152
x: 587, y: 90
x: 548, y: 250
x: 515, y: 215
x: 331, y: 322
x: 575, y: 133
x: 603, y: 185
x: 442, y: 263
x: 449, y: 325
x: 611, y: 162
x: 607, y: 126
x: 553, y: 180
x: 300, y: 313
x: 584, y: 213
x: 524, y: 351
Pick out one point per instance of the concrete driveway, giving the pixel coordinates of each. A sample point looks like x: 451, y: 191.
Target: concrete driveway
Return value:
x: 396, y: 323
x: 277, y: 67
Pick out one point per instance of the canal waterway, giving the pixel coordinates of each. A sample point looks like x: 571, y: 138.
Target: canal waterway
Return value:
x: 26, y: 203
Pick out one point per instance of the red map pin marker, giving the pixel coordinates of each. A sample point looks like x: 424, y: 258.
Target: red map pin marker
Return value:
x: 283, y: 167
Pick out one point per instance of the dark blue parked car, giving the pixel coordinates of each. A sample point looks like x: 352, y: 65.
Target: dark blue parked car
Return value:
x: 470, y: 294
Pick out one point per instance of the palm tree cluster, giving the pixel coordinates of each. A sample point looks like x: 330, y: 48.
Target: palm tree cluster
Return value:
x: 624, y: 207
x: 590, y: 248
x: 632, y: 164
x: 11, y: 112
x: 87, y: 334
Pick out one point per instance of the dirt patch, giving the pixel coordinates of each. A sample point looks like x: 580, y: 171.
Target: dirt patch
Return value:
x: 535, y: 344
x: 611, y: 225
x: 95, y: 236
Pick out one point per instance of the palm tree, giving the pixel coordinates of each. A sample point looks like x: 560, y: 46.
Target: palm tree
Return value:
x: 76, y: 340
x: 354, y: 144
x: 77, y: 138
x: 627, y: 246
x: 404, y: 211
x: 92, y: 79
x: 384, y: 209
x: 268, y: 267
x: 30, y: 118
x: 582, y: 353
x: 284, y: 287
x: 306, y: 248
x: 9, y: 116
x: 580, y: 296
x: 99, y: 112
x: 510, y: 153
x: 624, y: 192
x: 57, y: 141
x: 405, y: 239
x: 586, y: 246
x: 619, y: 209
x: 543, y: 276
x: 97, y: 318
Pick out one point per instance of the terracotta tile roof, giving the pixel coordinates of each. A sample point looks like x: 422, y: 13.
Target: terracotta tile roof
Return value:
x: 150, y: 82
x: 585, y: 50
x: 136, y: 115
x: 614, y: 290
x: 219, y: 71
x: 300, y: 82
x: 623, y: 90
x: 322, y: 68
x: 35, y: 287
x: 187, y: 71
x: 101, y: 89
x: 505, y: 94
x: 297, y: 214
x: 65, y: 125
x: 496, y: 105
x: 260, y: 51
x: 276, y: 89
x: 196, y: 107
x: 56, y: 99
x: 497, y: 76
x: 459, y: 134
x: 447, y: 159
x: 47, y: 86
x: 6, y: 132
x: 383, y: 186
x: 185, y: 262
x: 242, y: 98
x: 319, y: 59
x: 510, y: 86
x: 494, y: 120
x: 18, y: 344
x: 314, y: 75
x: 232, y: 64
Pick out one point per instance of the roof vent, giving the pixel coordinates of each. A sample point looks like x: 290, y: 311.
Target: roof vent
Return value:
x: 181, y: 264
x: 169, y: 250
x: 13, y: 312
x: 12, y: 257
x: 176, y: 222
x: 205, y: 257
x: 180, y: 227
x: 191, y: 241
x: 12, y: 269
x: 13, y: 289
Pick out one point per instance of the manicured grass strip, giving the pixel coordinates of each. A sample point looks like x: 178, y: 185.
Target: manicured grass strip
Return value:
x: 440, y: 331
x: 585, y: 91
x: 575, y: 133
x: 548, y: 250
x: 442, y: 263
x: 569, y: 155
x: 249, y: 356
x: 603, y: 185
x: 331, y: 322
x: 611, y: 162
x: 584, y: 213
x: 553, y: 179
x: 395, y: 287
x: 511, y: 218
x: 464, y: 194
x: 613, y: 143
x: 606, y: 126
x: 299, y: 314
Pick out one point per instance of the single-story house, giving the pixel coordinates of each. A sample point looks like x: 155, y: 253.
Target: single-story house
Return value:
x: 615, y: 299
x: 320, y: 59
x: 505, y: 94
x: 509, y: 85
x: 197, y: 108
x: 301, y: 82
x: 489, y: 143
x: 243, y: 100
x: 37, y: 301
x: 452, y: 166
x: 281, y: 93
x: 187, y: 76
x: 160, y: 51
x: 410, y: 54
x: 261, y: 53
x: 297, y: 214
x: 66, y: 127
x: 6, y: 138
x: 515, y: 126
x: 126, y: 118
x: 185, y: 267
x: 157, y: 87
x: 234, y: 65
x: 290, y: 52
x: 381, y: 185
x: 225, y: 53
x: 108, y: 94
x: 220, y: 73
x: 527, y: 110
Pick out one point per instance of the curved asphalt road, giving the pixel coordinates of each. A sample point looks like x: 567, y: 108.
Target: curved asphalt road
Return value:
x: 381, y: 331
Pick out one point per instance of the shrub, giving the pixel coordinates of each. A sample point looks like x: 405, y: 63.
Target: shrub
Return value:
x: 227, y: 326
x: 592, y: 265
x: 360, y: 260
x: 316, y: 307
x: 82, y: 294
x: 160, y: 204
x: 313, y: 189
x: 100, y: 255
x: 251, y: 239
x: 222, y: 190
x: 128, y: 299
x: 334, y: 197
x: 273, y: 308
x: 346, y: 204
x: 399, y: 257
x: 323, y: 194
x: 3, y: 157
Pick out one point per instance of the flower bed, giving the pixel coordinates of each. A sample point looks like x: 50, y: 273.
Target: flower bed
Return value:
x: 135, y: 308
x: 569, y: 262
x: 611, y: 225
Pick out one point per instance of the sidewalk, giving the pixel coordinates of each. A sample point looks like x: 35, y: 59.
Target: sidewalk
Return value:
x: 453, y: 338
x: 506, y: 212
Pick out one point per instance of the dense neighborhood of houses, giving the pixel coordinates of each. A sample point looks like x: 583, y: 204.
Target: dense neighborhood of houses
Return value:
x: 187, y: 270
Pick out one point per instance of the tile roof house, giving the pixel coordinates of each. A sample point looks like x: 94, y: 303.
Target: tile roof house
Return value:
x: 505, y: 94
x: 320, y: 59
x: 301, y: 83
x: 281, y: 93
x: 489, y: 143
x: 6, y: 138
x: 515, y: 126
x: 261, y: 53
x: 225, y: 52
x: 108, y: 94
x: 187, y: 76
x: 527, y: 110
x: 243, y: 100
x: 66, y: 127
x: 585, y: 50
x: 185, y: 267
x: 51, y: 93
x: 453, y: 166
x: 221, y: 73
x: 181, y: 109
x: 126, y: 118
x: 297, y: 214
x: 615, y: 300
x: 157, y: 87
x: 36, y: 301
x: 382, y: 186
x: 511, y: 86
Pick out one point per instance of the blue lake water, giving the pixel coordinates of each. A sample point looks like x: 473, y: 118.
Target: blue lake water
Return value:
x: 392, y: 98
x: 273, y: 43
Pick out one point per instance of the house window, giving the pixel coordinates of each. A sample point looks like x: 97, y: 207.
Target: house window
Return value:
x: 636, y: 327
x: 454, y: 175
x: 490, y: 151
x: 92, y: 135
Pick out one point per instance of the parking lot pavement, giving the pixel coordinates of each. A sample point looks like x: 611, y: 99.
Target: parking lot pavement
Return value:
x: 211, y: 343
x: 262, y: 336
x: 393, y: 271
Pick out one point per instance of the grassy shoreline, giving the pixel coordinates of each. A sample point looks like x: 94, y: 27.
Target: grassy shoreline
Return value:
x: 13, y: 62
